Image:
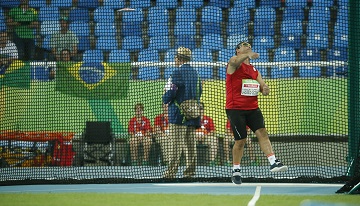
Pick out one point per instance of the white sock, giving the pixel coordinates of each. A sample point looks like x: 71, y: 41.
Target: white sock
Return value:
x: 271, y: 159
x: 236, y: 167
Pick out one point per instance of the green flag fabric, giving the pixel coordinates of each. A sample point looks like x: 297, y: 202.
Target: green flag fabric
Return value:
x: 17, y: 75
x: 93, y: 80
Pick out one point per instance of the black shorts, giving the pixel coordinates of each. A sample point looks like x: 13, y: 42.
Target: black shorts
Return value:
x: 240, y: 118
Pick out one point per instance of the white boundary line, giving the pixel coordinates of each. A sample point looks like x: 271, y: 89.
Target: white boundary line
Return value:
x: 249, y: 184
x: 255, y: 197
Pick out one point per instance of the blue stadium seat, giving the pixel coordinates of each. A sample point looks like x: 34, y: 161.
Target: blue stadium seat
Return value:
x: 62, y: 3
x: 167, y: 4
x: 93, y: 55
x: 309, y: 71
x: 341, y: 29
x: 263, y: 42
x: 158, y: 29
x: 322, y: 3
x: 193, y: 3
x: 319, y: 14
x: 80, y: 28
x: 270, y: 3
x: 46, y: 43
x: 296, y: 3
x: 224, y: 56
x: 49, y: 14
x: 211, y: 18
x: 319, y: 41
x: 233, y: 40
x: 49, y: 27
x: 318, y: 27
x: 115, y: 4
x: 306, y: 54
x: 106, y: 43
x: 84, y: 43
x: 263, y: 71
x: 337, y: 69
x: 104, y: 14
x: 284, y: 54
x: 265, y: 14
x: 140, y: 4
x: 79, y: 14
x: 263, y: 57
x: 90, y: 4
x: 9, y: 3
x: 158, y: 15
x: 245, y: 4
x: 38, y: 3
x: 224, y: 4
x: 212, y: 42
x: 264, y: 28
x: 341, y: 41
x: 170, y: 55
x: 282, y: 72
x: 343, y: 3
x: 187, y: 41
x: 203, y: 55
x: 160, y: 43
x: 291, y: 27
x: 293, y: 41
x: 239, y: 16
x: 149, y: 72
x: 234, y: 28
x: 294, y: 13
x: 105, y: 29
x: 185, y: 14
x: 133, y: 43
x: 132, y: 23
x: 119, y: 55
x: 185, y: 28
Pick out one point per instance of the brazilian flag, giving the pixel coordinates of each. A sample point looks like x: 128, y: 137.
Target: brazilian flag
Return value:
x: 17, y: 75
x: 91, y: 80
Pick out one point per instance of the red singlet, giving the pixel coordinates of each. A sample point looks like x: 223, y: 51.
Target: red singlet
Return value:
x: 234, y: 99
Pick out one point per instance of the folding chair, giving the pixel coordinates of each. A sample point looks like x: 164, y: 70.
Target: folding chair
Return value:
x: 98, y: 144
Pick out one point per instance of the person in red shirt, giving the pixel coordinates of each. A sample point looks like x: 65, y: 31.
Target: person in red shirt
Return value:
x: 161, y: 130
x: 243, y: 83
x: 140, y: 131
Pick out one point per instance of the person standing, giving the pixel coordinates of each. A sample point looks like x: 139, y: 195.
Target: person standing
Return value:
x: 243, y: 83
x: 183, y: 84
x: 25, y: 22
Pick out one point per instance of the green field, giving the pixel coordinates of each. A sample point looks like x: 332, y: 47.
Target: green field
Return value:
x: 96, y: 199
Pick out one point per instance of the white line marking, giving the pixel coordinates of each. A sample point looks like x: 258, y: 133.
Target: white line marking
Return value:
x: 248, y: 184
x: 255, y: 197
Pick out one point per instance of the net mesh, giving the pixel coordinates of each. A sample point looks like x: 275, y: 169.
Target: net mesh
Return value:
x: 71, y: 121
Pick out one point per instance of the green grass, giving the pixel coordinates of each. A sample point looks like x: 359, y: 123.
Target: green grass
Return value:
x: 90, y: 199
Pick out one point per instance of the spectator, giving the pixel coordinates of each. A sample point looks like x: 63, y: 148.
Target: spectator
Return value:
x: 25, y: 21
x: 206, y: 135
x: 65, y: 39
x: 8, y: 52
x: 161, y: 129
x: 140, y: 133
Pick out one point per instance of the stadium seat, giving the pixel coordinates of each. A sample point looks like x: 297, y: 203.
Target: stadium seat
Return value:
x: 233, y: 40
x: 185, y: 14
x: 322, y: 3
x: 263, y: 42
x: 319, y: 14
x: 106, y: 43
x: 343, y: 3
x: 284, y: 54
x: 46, y: 43
x: 158, y: 15
x: 341, y: 41
x: 90, y: 4
x: 187, y: 41
x: 170, y: 55
x: 318, y: 41
x: 212, y: 42
x: 270, y: 3
x: 337, y: 55
x: 234, y: 28
x: 245, y: 4
x: 9, y: 3
x: 79, y: 14
x: 80, y: 28
x: 309, y: 71
x: 337, y: 69
x: 282, y: 72
x: 263, y: 55
x: 49, y: 27
x: 264, y: 28
x: 341, y: 29
x: 203, y: 55
x: 185, y: 28
x: 84, y: 43
x: 119, y: 55
x: 114, y: 4
x: 224, y: 56
x: 105, y: 29
x: 193, y: 3
x: 318, y: 27
x: 62, y: 3
x: 133, y: 43
x: 49, y: 14
x: 140, y: 4
x: 132, y: 23
x: 38, y: 3
x: 104, y: 14
x: 167, y: 4
x: 224, y: 4
x: 211, y: 18
x: 93, y: 55
x: 296, y: 3
x: 158, y: 29
x: 160, y: 43
x: 309, y: 55
x: 291, y: 27
x: 293, y: 13
x: 239, y: 16
x: 293, y: 41
x: 149, y: 72
x: 265, y: 14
